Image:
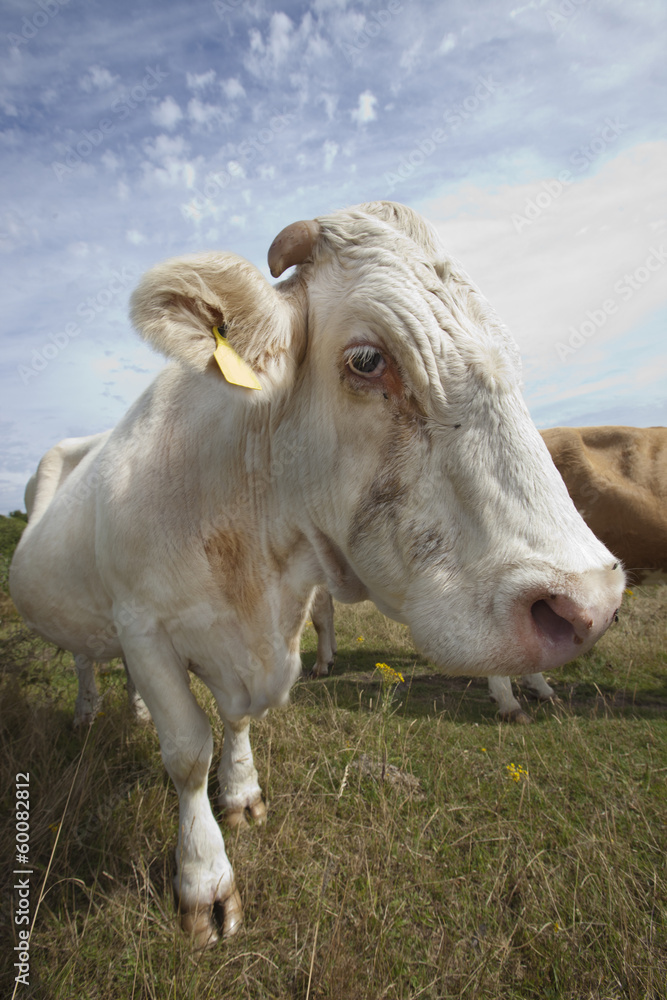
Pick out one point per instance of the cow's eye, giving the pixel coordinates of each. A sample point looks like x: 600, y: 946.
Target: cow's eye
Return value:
x: 366, y: 361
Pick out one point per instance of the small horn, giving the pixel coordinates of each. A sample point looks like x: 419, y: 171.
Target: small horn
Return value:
x: 292, y: 246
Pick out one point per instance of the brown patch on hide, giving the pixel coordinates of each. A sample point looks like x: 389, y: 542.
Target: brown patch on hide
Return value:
x: 387, y: 491
x: 233, y: 566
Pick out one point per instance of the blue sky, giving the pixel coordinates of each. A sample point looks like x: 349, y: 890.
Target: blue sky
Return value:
x: 532, y: 134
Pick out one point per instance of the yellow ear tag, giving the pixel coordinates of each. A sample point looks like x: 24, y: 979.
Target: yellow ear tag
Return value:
x: 232, y: 366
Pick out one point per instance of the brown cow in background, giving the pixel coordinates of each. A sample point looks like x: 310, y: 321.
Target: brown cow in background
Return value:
x: 617, y: 477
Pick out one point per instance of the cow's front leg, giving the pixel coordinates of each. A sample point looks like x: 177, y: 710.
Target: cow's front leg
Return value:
x: 204, y: 875
x: 240, y: 794
x: 87, y: 699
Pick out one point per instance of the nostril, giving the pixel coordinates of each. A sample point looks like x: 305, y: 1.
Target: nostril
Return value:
x: 552, y: 626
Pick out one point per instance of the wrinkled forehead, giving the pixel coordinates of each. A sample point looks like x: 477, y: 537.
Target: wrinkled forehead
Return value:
x: 370, y: 280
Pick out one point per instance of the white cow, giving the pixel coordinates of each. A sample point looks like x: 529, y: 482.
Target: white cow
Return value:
x: 388, y: 455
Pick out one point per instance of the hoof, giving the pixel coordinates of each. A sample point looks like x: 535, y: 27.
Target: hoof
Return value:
x: 237, y: 819
x: 258, y: 812
x: 200, y: 927
x: 232, y: 914
x: 518, y: 717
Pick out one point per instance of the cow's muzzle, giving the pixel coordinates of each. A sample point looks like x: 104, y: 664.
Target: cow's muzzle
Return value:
x: 561, y: 626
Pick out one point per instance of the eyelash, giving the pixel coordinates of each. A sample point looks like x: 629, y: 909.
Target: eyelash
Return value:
x: 356, y: 357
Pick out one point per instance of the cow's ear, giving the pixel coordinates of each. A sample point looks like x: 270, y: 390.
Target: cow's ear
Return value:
x: 179, y: 301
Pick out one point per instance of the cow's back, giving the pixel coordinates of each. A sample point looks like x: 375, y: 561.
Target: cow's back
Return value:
x: 617, y: 477
x: 54, y: 468
x: 54, y: 564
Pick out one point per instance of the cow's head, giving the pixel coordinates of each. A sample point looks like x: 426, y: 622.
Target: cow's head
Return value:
x: 419, y: 479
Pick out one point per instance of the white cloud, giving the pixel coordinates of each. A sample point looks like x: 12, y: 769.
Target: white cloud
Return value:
x: 447, y: 44
x: 365, y: 110
x: 330, y: 153
x: 200, y: 113
x: 285, y: 47
x: 167, y: 114
x: 330, y: 102
x: 200, y: 81
x: 79, y: 249
x: 232, y: 89
x: 587, y: 246
x: 110, y: 160
x: 280, y: 37
x: 531, y: 5
x: 169, y: 166
x: 206, y: 116
x: 135, y: 237
x: 256, y: 40
x: 97, y: 78
x: 275, y: 50
x: 410, y: 57
x: 163, y: 147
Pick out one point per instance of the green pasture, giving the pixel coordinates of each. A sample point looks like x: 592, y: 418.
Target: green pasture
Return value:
x: 415, y: 847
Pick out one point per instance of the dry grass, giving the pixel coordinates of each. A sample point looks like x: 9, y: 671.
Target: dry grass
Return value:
x: 403, y: 858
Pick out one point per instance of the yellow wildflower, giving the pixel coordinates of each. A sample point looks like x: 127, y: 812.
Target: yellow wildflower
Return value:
x: 516, y: 773
x: 389, y: 675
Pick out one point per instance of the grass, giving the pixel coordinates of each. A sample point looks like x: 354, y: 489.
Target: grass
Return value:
x: 11, y: 529
x: 415, y: 846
